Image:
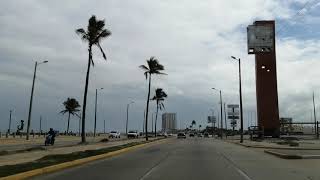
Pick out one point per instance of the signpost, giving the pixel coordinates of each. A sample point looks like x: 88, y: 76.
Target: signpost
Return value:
x: 233, y: 114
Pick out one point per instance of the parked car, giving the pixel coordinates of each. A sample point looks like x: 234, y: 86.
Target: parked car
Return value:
x: 114, y: 134
x: 191, y: 135
x: 133, y: 134
x: 200, y: 135
x: 163, y: 134
x: 182, y: 135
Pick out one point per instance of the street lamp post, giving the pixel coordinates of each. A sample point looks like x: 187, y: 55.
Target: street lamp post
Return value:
x: 31, y: 97
x: 221, y: 116
x: 9, y: 122
x: 128, y: 116
x: 240, y: 94
x: 40, y: 124
x: 95, y: 114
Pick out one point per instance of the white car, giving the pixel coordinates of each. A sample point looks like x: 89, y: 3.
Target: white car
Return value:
x: 114, y: 134
x: 133, y: 134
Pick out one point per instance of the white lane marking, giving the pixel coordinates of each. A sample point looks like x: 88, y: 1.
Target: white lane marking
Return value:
x: 242, y: 173
x: 154, y: 167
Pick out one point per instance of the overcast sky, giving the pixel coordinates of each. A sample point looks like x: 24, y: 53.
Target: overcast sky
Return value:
x: 192, y: 39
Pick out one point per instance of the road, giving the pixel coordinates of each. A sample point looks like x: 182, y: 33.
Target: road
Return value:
x: 192, y: 158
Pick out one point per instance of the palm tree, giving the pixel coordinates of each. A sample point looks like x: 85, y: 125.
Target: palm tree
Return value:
x: 193, y: 123
x: 158, y: 97
x: 71, y: 106
x: 93, y: 36
x: 154, y: 67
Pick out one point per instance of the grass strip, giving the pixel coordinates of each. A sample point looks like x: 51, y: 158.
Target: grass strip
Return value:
x: 54, y: 159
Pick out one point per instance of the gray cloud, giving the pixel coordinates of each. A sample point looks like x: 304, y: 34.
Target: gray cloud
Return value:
x: 194, y: 40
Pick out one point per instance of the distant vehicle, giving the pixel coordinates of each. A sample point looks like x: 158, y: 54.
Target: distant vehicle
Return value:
x: 133, y: 134
x: 191, y: 135
x: 114, y: 134
x: 200, y: 135
x: 182, y: 135
x: 170, y: 134
x: 206, y: 135
x: 163, y: 134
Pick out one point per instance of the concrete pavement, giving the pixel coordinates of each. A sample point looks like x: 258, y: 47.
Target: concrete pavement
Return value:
x: 193, y: 158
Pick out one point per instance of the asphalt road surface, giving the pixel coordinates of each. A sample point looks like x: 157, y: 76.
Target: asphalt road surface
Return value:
x: 191, y: 158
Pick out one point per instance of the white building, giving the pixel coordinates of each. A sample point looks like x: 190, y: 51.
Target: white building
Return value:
x: 169, y: 121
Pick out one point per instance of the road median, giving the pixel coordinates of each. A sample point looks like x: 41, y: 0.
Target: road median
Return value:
x: 52, y: 163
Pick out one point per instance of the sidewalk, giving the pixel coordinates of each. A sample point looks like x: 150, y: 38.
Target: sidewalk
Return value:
x: 31, y: 156
x: 61, y: 141
x: 272, y: 144
x: 306, y: 149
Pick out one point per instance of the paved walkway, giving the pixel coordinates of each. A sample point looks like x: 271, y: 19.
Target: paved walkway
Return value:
x: 272, y: 144
x: 61, y: 141
x: 34, y: 155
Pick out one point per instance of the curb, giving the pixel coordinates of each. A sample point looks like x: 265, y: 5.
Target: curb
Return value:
x: 283, y: 156
x: 77, y: 162
x: 292, y: 156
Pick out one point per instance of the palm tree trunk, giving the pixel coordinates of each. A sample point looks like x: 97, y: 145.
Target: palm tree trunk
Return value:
x: 83, y: 135
x: 148, y: 107
x: 155, y: 123
x: 68, y: 123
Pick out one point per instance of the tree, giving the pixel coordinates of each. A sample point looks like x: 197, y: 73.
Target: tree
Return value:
x: 94, y: 34
x: 193, y: 123
x: 71, y: 106
x: 159, y: 98
x: 154, y: 67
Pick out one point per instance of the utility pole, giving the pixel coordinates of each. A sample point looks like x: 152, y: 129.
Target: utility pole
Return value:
x: 128, y: 116
x: 151, y: 123
x: 9, y: 122
x: 40, y: 125
x: 31, y: 97
x: 314, y: 114
x: 225, y: 117
x: 79, y: 124
x: 221, y: 115
x: 104, y: 126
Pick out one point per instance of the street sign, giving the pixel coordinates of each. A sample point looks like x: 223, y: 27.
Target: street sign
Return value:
x: 233, y: 123
x: 233, y: 105
x: 233, y: 114
x: 260, y: 39
x: 233, y: 117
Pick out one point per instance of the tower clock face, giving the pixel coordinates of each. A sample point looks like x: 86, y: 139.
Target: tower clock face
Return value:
x: 260, y: 39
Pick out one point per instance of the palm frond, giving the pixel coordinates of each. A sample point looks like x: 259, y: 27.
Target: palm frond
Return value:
x: 63, y: 111
x: 81, y: 31
x: 146, y: 74
x: 103, y: 54
x: 158, y: 72
x: 144, y: 67
x: 104, y: 33
x: 91, y: 60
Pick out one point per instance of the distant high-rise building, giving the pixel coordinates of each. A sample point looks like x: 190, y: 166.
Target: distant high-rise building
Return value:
x: 169, y: 121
